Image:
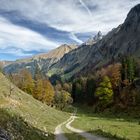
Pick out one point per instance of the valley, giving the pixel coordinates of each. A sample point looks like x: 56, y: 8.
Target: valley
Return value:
x: 89, y: 90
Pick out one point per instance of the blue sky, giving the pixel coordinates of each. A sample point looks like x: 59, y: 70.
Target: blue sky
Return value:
x: 29, y: 27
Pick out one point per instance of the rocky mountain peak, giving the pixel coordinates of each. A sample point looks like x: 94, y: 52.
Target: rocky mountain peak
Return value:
x: 133, y: 17
x: 98, y: 36
x: 58, y: 52
x: 94, y: 39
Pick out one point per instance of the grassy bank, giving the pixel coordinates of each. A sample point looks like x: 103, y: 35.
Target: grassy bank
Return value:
x: 37, y: 115
x: 119, y: 127
x: 17, y: 129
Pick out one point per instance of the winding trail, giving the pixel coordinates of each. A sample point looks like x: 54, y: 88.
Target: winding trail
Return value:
x: 84, y: 134
x: 60, y: 135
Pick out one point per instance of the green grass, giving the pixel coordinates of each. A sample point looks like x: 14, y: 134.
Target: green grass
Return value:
x: 33, y: 112
x: 119, y: 128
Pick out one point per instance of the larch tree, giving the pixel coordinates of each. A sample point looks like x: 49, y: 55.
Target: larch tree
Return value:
x: 27, y: 83
x: 48, y: 92
x: 105, y: 92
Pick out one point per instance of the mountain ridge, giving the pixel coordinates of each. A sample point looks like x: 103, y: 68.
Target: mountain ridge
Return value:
x: 44, y: 60
x: 120, y: 41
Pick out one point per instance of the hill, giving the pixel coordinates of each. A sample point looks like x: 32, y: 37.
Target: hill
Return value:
x: 43, y: 61
x: 23, y: 116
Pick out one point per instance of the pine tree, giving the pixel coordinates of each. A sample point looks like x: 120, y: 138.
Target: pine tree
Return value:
x: 90, y: 90
x: 131, y: 69
x: 128, y: 70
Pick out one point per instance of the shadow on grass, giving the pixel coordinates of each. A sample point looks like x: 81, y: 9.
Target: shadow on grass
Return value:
x: 13, y: 127
x: 99, y: 134
x: 132, y: 115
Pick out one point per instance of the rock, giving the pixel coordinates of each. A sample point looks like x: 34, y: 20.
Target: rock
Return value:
x: 4, y: 135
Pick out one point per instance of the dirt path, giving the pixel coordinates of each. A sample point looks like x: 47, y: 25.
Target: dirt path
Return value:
x: 84, y: 134
x: 60, y: 135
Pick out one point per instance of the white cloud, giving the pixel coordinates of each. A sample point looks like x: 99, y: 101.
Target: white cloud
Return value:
x: 74, y: 37
x: 86, y: 7
x: 20, y: 37
x: 74, y: 15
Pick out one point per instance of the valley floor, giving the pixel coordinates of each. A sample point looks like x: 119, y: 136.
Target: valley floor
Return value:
x: 109, y: 126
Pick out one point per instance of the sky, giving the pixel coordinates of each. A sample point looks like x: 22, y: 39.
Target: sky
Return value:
x: 29, y: 27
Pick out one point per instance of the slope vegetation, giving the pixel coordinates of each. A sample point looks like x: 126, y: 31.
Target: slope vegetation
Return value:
x: 36, y: 115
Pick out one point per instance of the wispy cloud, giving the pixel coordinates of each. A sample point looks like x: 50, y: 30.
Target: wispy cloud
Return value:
x: 45, y: 24
x: 73, y: 15
x: 86, y: 7
x: 11, y: 35
x: 74, y: 37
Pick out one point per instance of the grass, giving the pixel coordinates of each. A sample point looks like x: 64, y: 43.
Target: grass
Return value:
x: 110, y: 126
x: 33, y: 112
x: 17, y: 128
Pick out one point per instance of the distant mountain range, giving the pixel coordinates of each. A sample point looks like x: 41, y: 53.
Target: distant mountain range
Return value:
x: 66, y: 61
x: 43, y: 61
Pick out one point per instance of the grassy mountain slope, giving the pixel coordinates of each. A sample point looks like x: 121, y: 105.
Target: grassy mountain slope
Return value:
x: 34, y: 113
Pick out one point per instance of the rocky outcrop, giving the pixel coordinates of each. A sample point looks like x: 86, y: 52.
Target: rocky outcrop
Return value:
x: 94, y: 39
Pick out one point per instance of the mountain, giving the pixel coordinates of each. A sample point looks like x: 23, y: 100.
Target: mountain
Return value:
x: 43, y: 61
x: 23, y: 117
x: 91, y: 55
x: 94, y: 39
x: 123, y: 40
x: 5, y: 63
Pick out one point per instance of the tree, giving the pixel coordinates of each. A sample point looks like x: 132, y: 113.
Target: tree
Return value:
x: 114, y: 74
x: 27, y: 83
x: 128, y: 70
x: 48, y: 92
x: 67, y: 87
x: 38, y: 89
x: 131, y: 69
x: 62, y: 99
x: 79, y: 90
x: 90, y: 90
x: 104, y: 92
x: 74, y: 91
